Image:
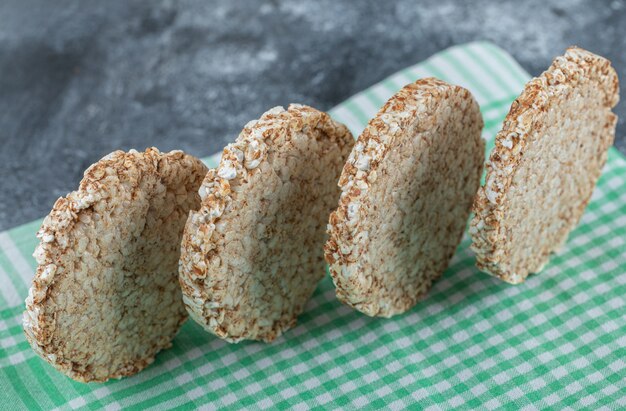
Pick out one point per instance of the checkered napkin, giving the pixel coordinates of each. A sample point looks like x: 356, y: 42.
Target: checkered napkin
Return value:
x: 557, y: 341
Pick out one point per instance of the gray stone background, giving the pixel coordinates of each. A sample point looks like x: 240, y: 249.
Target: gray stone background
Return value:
x: 79, y: 79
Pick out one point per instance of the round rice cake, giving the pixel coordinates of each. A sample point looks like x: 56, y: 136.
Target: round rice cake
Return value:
x: 545, y: 164
x: 252, y: 255
x: 406, y: 193
x: 105, y: 298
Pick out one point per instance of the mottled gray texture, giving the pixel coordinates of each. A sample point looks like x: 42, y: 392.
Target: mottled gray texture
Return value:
x: 81, y: 79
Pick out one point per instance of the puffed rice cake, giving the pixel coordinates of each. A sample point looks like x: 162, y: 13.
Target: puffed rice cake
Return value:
x: 252, y: 255
x: 406, y: 193
x: 545, y: 164
x: 105, y: 298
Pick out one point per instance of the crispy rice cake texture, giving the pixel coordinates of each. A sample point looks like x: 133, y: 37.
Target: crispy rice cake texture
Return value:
x: 253, y: 254
x: 406, y: 194
x: 105, y: 297
x: 545, y: 164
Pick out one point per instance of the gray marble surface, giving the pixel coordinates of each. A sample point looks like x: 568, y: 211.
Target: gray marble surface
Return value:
x: 79, y: 79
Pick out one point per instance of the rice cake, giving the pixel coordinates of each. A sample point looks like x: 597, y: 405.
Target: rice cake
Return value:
x: 406, y: 193
x: 105, y: 298
x: 545, y: 164
x: 252, y: 255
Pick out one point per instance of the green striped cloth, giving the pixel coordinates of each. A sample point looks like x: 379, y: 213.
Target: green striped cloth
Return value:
x: 558, y: 341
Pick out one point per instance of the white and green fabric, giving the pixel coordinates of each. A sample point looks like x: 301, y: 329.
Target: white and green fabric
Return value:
x: 556, y: 342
